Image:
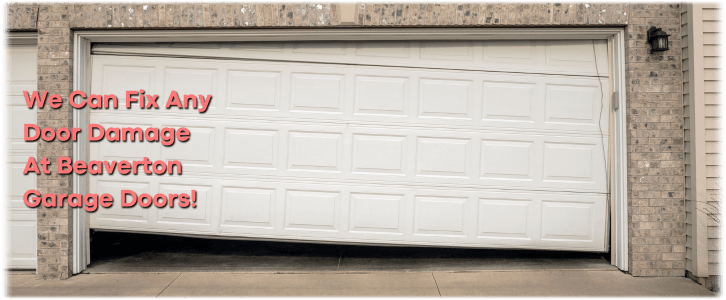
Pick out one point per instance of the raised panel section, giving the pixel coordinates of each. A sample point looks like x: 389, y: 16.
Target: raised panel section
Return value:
x: 568, y: 162
x: 312, y: 210
x: 19, y: 240
x: 315, y: 151
x: 572, y: 104
x: 184, y: 217
x: 504, y: 218
x: 253, y: 90
x: 508, y: 101
x: 381, y: 95
x: 20, y: 233
x: 569, y: 52
x: 443, y: 157
x: 118, y: 79
x: 247, y: 148
x: 317, y: 93
x: 519, y: 52
x: 247, y: 207
x: 18, y: 61
x: 384, y: 49
x: 507, y: 160
x: 19, y: 116
x: 445, y: 99
x: 447, y: 50
x: 567, y: 220
x: 440, y: 216
x: 380, y: 154
x: 197, y: 151
x: 320, y: 48
x: 193, y: 82
x: 373, y: 213
x: 16, y: 184
x: 116, y: 213
x: 124, y: 150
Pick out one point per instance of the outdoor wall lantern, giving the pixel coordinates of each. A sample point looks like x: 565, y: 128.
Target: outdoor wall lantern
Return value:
x: 657, y: 39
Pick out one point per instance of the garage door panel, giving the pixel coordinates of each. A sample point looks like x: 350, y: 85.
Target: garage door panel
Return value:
x: 440, y: 98
x: 19, y: 182
x: 582, y: 219
x: 21, y: 116
x: 248, y: 208
x: 443, y: 157
x: 379, y: 95
x: 197, y: 152
x: 21, y: 237
x: 189, y: 219
x: 511, y: 52
x: 507, y: 218
x: 523, y: 213
x: 346, y: 94
x: 377, y: 213
x: 441, y: 216
x: 318, y: 92
x: 379, y: 154
x: 509, y: 101
x: 363, y: 153
x: 508, y: 160
x: 308, y: 210
x: 569, y: 162
x: 253, y: 90
x: 324, y: 48
x: 384, y: 49
x: 199, y: 81
x: 21, y: 242
x: 368, y: 153
x: 238, y: 154
x: 572, y: 104
x: 126, y: 76
x: 133, y: 217
x: 130, y: 150
x: 551, y: 57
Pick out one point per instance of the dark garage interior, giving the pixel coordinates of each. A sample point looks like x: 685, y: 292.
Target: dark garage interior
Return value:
x: 113, y: 252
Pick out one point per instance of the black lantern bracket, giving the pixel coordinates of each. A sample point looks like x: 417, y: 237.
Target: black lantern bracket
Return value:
x: 658, y: 39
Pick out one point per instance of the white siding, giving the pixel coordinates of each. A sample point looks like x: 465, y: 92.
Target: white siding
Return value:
x: 701, y: 100
x: 711, y: 48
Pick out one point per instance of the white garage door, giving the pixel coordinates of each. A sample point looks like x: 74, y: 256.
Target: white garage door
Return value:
x: 21, y: 71
x: 468, y: 144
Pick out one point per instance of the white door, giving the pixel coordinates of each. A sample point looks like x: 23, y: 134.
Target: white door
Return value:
x: 466, y: 144
x: 21, y: 74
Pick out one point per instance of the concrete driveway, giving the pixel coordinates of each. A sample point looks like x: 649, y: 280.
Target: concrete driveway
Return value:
x: 480, y: 283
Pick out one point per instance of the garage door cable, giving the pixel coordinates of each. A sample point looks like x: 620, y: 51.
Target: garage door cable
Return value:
x: 606, y: 155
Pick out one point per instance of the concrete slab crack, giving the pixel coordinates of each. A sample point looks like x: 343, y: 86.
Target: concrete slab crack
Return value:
x: 167, y: 286
x: 437, y: 284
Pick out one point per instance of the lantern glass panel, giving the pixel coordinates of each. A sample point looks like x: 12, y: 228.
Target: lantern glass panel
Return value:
x: 662, y: 42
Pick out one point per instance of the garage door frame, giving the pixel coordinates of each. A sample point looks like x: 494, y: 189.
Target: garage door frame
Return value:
x: 615, y: 36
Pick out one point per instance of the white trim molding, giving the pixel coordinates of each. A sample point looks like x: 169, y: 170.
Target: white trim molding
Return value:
x: 80, y: 221
x: 22, y: 38
x: 616, y: 36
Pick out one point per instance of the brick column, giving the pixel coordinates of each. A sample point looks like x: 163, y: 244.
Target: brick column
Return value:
x: 54, y: 75
x: 656, y: 171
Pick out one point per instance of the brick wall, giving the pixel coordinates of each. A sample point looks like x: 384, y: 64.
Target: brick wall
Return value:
x: 656, y: 171
x: 655, y: 114
x: 54, y: 75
